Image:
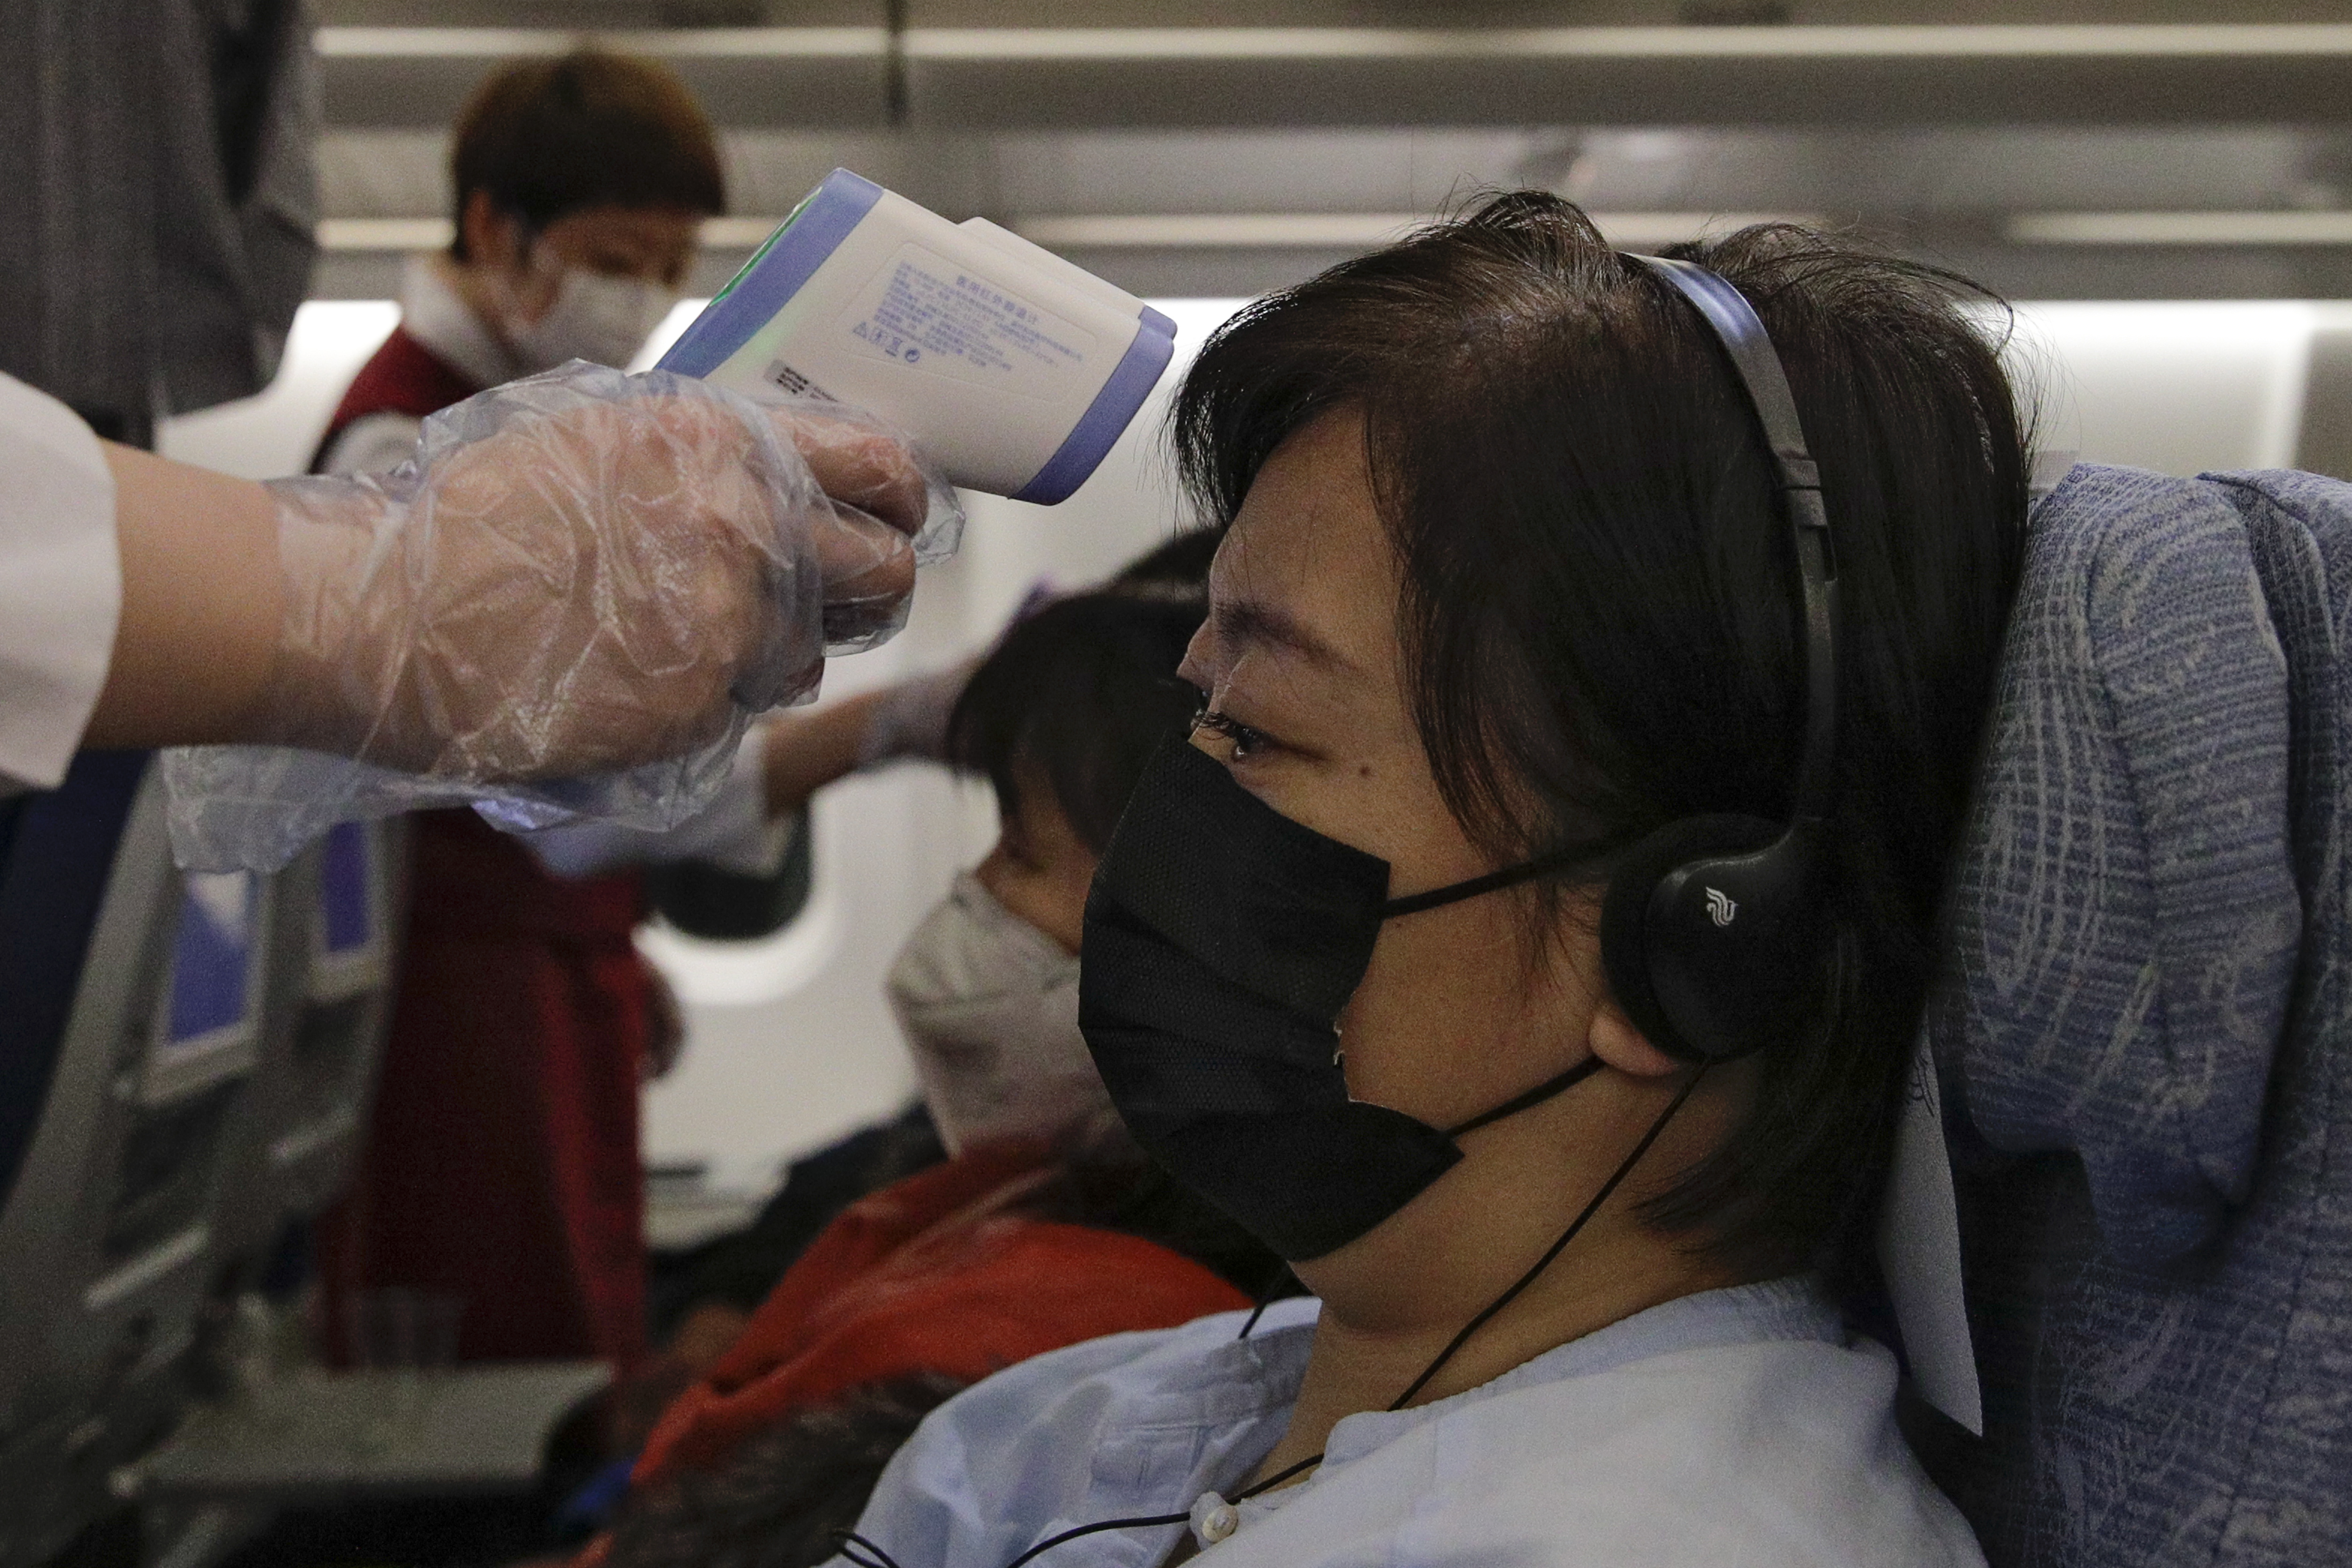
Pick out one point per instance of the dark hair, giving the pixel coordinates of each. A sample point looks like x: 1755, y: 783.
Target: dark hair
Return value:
x: 1076, y: 696
x: 1599, y: 611
x: 780, y: 1499
x: 589, y: 129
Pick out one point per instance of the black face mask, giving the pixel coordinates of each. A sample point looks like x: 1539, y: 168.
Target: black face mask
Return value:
x: 1222, y: 940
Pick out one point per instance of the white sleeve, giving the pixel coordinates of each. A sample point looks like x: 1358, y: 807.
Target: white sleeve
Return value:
x: 60, y: 584
x: 732, y: 833
x: 372, y: 443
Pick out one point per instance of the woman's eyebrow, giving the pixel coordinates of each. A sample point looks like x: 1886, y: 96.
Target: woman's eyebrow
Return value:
x: 1247, y: 622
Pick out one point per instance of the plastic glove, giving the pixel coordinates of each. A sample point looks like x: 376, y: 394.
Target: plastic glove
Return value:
x: 568, y: 603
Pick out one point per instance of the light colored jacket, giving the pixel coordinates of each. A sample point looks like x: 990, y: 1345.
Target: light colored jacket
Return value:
x: 1737, y: 1428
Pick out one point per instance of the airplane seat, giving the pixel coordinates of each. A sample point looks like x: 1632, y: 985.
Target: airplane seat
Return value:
x: 275, y: 1430
x: 50, y: 897
x: 127, y: 1048
x: 186, y: 1062
x: 2141, y: 1033
x: 336, y: 933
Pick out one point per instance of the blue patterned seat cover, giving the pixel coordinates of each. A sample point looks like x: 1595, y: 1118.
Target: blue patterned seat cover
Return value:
x: 2142, y: 1035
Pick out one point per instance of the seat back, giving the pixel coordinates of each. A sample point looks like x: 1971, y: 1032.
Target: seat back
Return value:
x: 136, y: 1011
x: 2294, y: 1502
x: 331, y: 1003
x: 2136, y: 1037
x: 59, y: 852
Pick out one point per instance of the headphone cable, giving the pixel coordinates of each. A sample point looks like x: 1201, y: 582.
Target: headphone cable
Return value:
x: 1266, y: 1297
x: 1616, y: 1179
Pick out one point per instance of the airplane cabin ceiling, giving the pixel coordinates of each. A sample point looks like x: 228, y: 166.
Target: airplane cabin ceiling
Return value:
x: 2080, y: 148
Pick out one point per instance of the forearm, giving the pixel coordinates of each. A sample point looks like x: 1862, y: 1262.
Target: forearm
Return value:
x: 574, y: 578
x: 806, y: 751
x: 201, y: 597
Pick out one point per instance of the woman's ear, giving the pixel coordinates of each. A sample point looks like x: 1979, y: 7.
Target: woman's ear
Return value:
x: 1615, y: 1040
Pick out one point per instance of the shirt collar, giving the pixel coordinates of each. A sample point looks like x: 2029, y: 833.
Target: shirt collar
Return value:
x: 435, y: 314
x: 1794, y: 1307
x: 1244, y: 1380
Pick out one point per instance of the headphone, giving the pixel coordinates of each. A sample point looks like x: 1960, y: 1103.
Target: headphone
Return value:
x: 1710, y: 924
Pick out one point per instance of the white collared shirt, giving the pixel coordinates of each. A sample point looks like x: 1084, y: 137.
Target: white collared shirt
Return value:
x: 1735, y: 1428
x: 60, y: 584
x: 438, y: 317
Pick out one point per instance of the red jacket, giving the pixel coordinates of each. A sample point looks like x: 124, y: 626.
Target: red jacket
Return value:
x: 503, y: 1165
x: 403, y: 376
x: 940, y: 1272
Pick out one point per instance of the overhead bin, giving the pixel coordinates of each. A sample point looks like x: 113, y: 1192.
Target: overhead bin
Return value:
x: 1071, y: 78
x: 1848, y: 76
x: 748, y: 77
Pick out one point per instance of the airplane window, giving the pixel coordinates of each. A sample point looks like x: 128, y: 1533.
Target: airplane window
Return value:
x: 703, y: 901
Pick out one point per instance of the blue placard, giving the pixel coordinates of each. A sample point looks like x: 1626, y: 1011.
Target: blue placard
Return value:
x: 212, y: 956
x: 346, y: 912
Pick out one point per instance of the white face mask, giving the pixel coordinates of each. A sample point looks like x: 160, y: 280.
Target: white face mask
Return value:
x: 600, y: 319
x: 990, y: 1004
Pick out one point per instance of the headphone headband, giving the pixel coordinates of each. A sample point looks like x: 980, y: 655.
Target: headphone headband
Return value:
x: 1753, y: 358
x: 1712, y: 924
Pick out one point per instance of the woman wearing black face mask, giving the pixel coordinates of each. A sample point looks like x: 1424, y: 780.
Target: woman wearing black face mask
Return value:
x: 1511, y: 585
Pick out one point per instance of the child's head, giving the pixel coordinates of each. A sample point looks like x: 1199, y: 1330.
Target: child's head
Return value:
x: 1060, y: 717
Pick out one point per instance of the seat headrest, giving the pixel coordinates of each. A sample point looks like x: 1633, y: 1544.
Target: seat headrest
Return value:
x: 2124, y: 916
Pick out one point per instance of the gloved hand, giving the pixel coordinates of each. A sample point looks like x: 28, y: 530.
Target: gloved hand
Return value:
x: 568, y: 601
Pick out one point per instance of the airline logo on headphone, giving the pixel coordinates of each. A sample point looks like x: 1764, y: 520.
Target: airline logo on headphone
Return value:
x: 1720, y: 909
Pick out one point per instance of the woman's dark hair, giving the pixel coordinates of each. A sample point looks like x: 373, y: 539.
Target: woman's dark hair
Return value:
x: 588, y: 129
x: 779, y: 1498
x: 1599, y: 612
x: 1075, y: 697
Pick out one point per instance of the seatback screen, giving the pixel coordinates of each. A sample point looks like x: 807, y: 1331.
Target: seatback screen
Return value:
x: 212, y: 957
x: 347, y: 919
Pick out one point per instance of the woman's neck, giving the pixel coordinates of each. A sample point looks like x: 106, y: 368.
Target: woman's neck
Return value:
x: 1396, y: 1297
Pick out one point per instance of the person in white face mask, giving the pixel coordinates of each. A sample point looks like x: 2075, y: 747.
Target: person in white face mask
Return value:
x: 1060, y: 713
x: 1060, y: 718
x: 580, y: 183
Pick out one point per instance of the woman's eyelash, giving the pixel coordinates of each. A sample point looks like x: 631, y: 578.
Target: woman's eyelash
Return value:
x: 1245, y: 739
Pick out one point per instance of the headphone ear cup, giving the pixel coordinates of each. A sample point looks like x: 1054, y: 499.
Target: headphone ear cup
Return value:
x: 1677, y: 992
